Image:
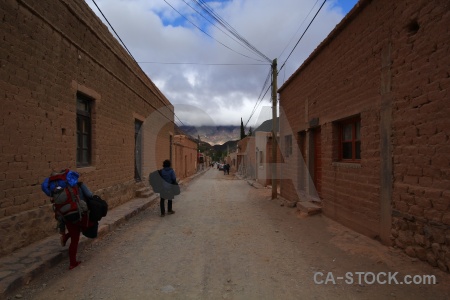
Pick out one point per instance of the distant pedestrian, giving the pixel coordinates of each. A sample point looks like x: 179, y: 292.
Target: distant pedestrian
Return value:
x: 227, y: 168
x: 168, y: 174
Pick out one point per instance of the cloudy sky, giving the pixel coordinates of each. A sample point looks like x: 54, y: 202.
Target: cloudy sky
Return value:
x: 207, y: 73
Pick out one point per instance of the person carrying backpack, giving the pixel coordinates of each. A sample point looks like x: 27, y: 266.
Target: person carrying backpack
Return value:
x: 69, y: 198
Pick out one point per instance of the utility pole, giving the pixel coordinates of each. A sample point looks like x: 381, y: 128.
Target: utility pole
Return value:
x: 274, y: 129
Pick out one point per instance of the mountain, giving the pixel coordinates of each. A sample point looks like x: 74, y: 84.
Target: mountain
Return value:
x: 229, y: 146
x: 213, y: 135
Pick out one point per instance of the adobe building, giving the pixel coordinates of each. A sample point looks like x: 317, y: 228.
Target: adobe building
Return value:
x: 254, y: 155
x: 232, y: 161
x: 263, y: 153
x: 246, y: 157
x: 368, y: 116
x: 185, y: 158
x: 72, y: 98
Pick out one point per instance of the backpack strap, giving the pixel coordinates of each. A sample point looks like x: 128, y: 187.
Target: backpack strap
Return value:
x: 75, y: 198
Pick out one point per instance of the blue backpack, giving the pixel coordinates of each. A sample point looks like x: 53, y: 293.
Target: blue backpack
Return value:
x: 64, y: 192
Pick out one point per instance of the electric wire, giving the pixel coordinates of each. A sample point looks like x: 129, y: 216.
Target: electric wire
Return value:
x: 202, y: 4
x: 200, y: 64
x: 258, y: 102
x: 298, y: 28
x: 265, y: 83
x: 208, y: 33
x: 206, y: 8
x: 123, y: 44
x: 213, y: 24
x: 210, y: 12
x: 302, y: 35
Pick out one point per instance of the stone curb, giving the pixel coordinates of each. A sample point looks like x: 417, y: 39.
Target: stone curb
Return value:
x: 251, y: 182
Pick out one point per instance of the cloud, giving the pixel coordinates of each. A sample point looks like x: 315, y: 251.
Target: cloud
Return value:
x: 220, y: 82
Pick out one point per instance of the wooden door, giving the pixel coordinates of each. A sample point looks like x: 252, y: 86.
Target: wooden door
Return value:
x: 317, y: 160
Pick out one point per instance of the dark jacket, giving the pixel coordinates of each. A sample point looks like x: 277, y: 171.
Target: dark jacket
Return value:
x: 168, y: 174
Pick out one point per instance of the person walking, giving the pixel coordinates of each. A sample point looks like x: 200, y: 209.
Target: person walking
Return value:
x: 75, y: 228
x: 226, y: 169
x: 62, y: 186
x: 168, y: 174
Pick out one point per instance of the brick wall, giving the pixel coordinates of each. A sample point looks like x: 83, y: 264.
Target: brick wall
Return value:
x: 50, y: 51
x: 387, y: 62
x: 247, y: 157
x: 185, y: 157
x: 340, y: 81
x: 421, y: 131
x: 241, y: 162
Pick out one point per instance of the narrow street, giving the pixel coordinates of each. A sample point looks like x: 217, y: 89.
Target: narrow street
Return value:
x: 228, y: 240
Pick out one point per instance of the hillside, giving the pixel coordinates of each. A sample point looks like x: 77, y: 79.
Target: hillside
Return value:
x: 214, y: 135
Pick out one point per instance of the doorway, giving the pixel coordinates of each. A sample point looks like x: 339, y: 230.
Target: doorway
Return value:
x: 317, y: 160
x: 137, y: 150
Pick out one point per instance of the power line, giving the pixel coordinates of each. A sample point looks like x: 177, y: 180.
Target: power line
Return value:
x: 212, y: 23
x: 208, y: 33
x: 258, y: 102
x: 204, y: 6
x: 261, y: 98
x: 302, y: 35
x: 299, y: 28
x: 123, y: 44
x: 209, y: 11
x: 204, y: 64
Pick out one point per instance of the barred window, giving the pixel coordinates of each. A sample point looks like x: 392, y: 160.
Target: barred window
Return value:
x: 84, y: 131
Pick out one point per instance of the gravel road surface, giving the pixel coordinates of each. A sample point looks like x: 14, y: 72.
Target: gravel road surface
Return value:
x: 228, y: 240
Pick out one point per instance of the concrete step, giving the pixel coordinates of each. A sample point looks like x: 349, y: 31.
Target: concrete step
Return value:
x: 308, y: 208
x: 144, y: 192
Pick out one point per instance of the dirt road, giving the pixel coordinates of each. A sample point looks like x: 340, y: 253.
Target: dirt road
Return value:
x: 227, y: 240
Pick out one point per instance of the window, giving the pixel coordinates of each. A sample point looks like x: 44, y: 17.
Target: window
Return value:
x: 84, y: 133
x: 350, y: 140
x: 288, y: 145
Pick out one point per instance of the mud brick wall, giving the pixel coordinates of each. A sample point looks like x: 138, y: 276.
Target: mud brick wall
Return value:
x: 251, y: 158
x: 421, y: 131
x: 389, y: 63
x: 185, y: 156
x: 50, y: 51
x: 339, y: 81
x: 242, y: 157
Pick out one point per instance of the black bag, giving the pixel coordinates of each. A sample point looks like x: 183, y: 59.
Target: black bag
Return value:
x: 98, y: 208
x: 156, y: 181
x: 91, y: 232
x: 175, y: 188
